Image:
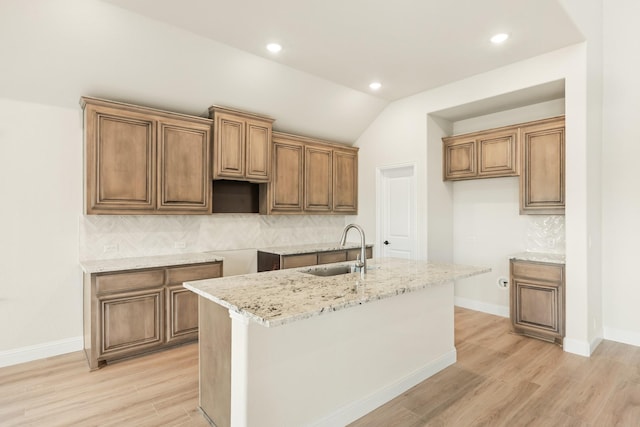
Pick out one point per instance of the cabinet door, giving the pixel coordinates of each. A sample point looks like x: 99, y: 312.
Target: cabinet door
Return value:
x: 258, y: 151
x: 184, y: 180
x: 459, y: 159
x: 542, y: 179
x: 345, y: 182
x: 228, y: 147
x: 318, y: 179
x: 131, y: 323
x: 286, y: 185
x: 537, y: 299
x: 182, y: 314
x: 182, y: 304
x: 498, y: 154
x: 536, y: 306
x: 121, y: 150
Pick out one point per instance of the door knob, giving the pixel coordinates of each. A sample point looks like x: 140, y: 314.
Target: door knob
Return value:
x: 386, y: 242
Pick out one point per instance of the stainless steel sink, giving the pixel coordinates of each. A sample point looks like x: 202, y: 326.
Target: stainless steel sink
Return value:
x: 336, y: 270
x: 329, y: 271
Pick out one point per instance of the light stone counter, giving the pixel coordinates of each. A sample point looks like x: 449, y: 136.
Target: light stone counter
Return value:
x: 313, y: 247
x: 540, y: 257
x: 277, y: 297
x: 120, y: 264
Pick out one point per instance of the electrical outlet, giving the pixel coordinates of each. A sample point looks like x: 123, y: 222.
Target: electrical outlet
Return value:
x: 503, y: 283
x: 179, y: 245
x: 110, y: 248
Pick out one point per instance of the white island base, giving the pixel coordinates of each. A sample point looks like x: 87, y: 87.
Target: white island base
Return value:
x: 326, y: 370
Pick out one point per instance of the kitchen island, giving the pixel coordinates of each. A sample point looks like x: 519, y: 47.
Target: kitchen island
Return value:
x: 290, y: 348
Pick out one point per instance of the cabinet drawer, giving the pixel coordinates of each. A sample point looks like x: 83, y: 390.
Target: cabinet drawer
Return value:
x: 194, y: 272
x: 131, y: 280
x: 353, y: 254
x: 293, y: 261
x: 329, y: 257
x: 544, y: 272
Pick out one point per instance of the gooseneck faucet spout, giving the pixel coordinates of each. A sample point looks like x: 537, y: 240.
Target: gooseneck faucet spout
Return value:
x: 362, y: 263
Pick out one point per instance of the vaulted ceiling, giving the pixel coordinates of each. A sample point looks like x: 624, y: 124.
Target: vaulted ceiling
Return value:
x: 407, y: 45
x: 187, y: 55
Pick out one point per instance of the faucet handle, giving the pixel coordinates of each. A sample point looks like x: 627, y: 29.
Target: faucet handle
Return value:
x: 359, y: 262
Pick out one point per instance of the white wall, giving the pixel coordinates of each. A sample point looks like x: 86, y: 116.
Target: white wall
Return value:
x: 41, y: 188
x: 439, y: 198
x: 621, y: 149
x: 400, y: 134
x: 588, y: 16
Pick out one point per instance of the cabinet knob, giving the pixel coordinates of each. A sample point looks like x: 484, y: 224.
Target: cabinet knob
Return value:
x: 386, y: 242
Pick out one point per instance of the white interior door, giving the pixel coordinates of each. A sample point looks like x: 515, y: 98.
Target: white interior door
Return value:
x: 397, y: 212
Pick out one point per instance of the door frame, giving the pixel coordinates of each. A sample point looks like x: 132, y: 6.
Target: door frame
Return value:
x: 380, y: 171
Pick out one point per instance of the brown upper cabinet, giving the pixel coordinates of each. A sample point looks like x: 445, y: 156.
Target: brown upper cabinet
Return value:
x: 534, y: 150
x: 345, y: 181
x: 487, y: 154
x: 241, y: 145
x: 145, y: 161
x: 311, y: 177
x: 318, y: 178
x: 285, y: 192
x: 543, y: 162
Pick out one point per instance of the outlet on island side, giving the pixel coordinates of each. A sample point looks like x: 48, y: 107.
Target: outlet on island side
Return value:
x: 503, y: 282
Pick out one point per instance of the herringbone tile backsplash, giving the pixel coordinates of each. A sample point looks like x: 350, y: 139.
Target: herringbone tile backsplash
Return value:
x: 115, y: 236
x: 546, y: 233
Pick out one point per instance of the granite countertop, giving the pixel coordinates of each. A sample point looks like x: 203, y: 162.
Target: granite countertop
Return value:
x: 313, y: 247
x: 277, y: 297
x: 540, y: 257
x: 120, y: 264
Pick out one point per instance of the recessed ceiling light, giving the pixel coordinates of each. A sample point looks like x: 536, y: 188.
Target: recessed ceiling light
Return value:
x: 274, y: 47
x: 375, y: 85
x: 499, y: 38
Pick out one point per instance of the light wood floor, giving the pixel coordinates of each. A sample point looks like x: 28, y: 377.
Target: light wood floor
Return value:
x: 500, y: 379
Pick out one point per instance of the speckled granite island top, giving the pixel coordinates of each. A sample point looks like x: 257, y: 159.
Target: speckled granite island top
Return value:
x: 540, y: 257
x: 312, y: 247
x: 120, y: 264
x: 277, y: 297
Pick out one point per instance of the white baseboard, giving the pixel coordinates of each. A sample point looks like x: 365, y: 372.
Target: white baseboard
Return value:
x: 351, y: 412
x: 497, y: 310
x: 622, y: 335
x: 40, y: 351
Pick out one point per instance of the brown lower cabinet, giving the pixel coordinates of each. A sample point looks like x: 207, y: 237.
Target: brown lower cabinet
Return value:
x: 537, y: 296
x: 268, y: 261
x: 127, y: 313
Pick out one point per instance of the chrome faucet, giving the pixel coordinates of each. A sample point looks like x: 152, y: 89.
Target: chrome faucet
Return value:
x: 362, y: 263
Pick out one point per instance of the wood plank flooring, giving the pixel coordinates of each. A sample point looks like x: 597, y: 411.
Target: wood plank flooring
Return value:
x: 154, y: 390
x: 500, y: 379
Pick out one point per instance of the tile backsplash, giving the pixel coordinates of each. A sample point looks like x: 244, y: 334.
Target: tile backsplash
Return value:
x: 121, y: 236
x: 545, y: 233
